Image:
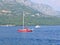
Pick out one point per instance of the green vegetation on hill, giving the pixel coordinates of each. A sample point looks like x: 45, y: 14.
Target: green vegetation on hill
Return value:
x: 12, y: 14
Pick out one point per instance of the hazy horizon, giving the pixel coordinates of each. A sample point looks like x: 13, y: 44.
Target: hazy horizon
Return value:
x: 55, y: 4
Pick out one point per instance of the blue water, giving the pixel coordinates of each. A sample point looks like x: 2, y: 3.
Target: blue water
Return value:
x: 45, y: 35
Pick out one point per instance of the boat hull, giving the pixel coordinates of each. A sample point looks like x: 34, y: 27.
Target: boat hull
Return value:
x: 24, y: 30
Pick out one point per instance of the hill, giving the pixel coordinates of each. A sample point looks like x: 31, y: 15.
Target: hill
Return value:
x: 11, y: 14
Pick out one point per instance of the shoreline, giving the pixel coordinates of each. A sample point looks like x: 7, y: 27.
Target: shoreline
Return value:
x: 29, y: 25
x: 7, y: 25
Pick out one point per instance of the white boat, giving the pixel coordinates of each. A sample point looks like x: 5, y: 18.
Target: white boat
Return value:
x: 37, y: 26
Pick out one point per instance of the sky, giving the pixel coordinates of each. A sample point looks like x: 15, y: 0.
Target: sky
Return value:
x: 55, y: 4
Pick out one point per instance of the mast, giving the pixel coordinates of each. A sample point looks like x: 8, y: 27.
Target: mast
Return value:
x: 23, y: 19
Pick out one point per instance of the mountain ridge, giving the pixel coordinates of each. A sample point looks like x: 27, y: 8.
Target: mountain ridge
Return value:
x: 11, y: 14
x: 43, y: 8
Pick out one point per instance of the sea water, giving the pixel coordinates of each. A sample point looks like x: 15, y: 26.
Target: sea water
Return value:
x: 45, y: 35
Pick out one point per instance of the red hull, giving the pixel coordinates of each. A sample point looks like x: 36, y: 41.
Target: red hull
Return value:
x: 24, y: 30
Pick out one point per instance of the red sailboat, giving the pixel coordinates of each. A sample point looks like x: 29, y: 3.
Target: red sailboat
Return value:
x: 24, y: 29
